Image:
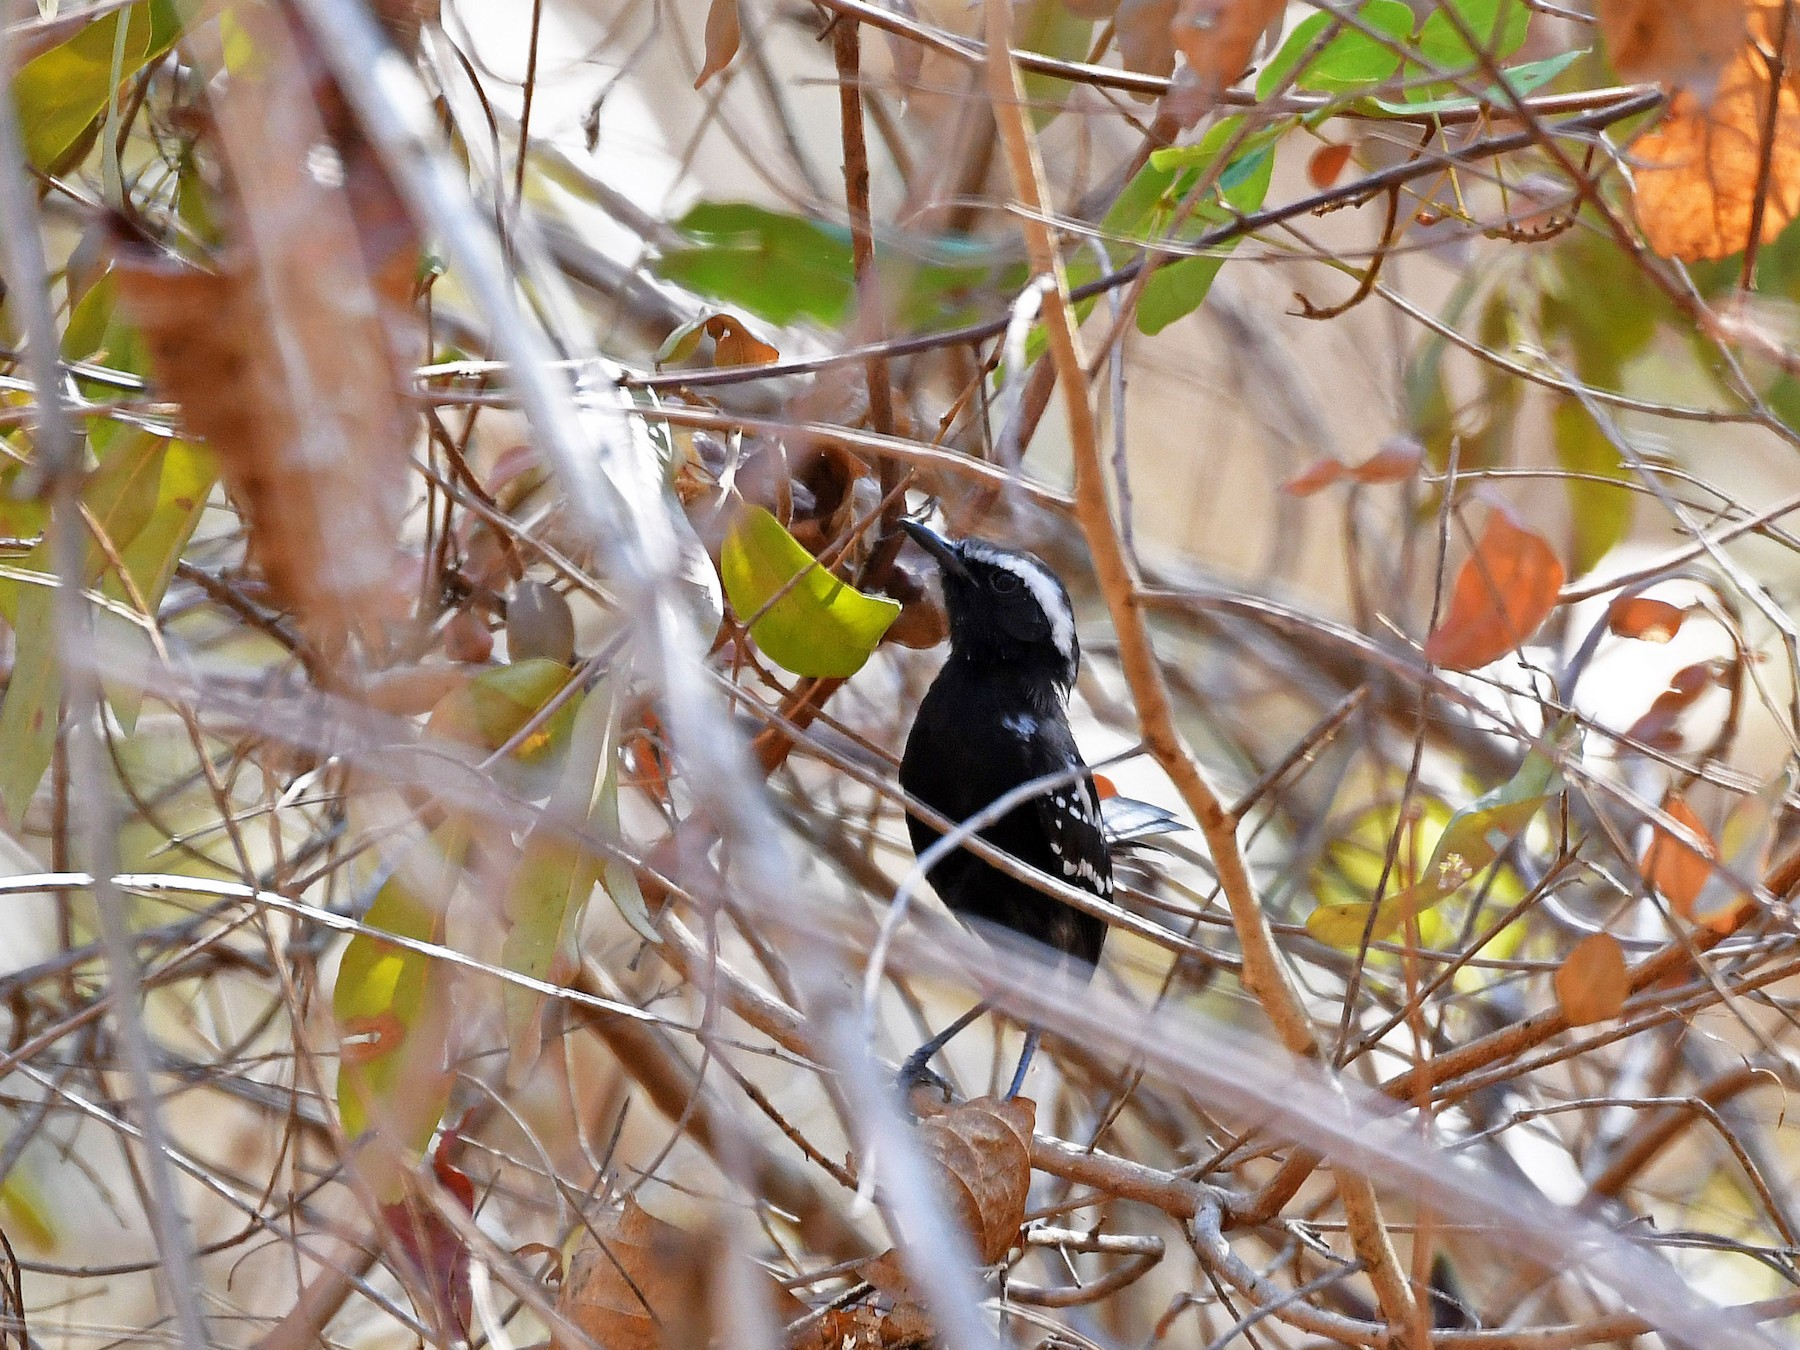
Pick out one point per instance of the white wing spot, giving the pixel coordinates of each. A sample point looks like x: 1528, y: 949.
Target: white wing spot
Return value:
x: 1022, y: 725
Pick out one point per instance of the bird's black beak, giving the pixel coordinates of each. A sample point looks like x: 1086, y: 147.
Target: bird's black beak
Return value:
x: 940, y: 548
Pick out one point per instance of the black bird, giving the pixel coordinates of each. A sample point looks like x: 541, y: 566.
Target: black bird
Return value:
x: 994, y: 719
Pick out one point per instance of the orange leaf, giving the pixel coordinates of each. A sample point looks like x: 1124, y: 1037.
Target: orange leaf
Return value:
x: 1673, y: 868
x: 734, y: 345
x: 1316, y: 477
x: 1504, y: 591
x: 1218, y: 37
x: 1326, y: 164
x: 1591, y: 983
x: 722, y: 36
x: 1672, y: 42
x: 1700, y: 172
x: 1644, y: 619
x: 1396, y: 461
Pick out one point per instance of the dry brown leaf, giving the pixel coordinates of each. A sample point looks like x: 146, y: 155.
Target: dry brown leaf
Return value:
x: 1144, y: 29
x: 1591, y: 983
x: 1673, y: 868
x: 722, y: 35
x: 1684, y: 43
x: 1700, y: 171
x: 636, y: 1283
x: 1645, y: 619
x: 293, y: 358
x: 984, y: 1149
x: 1504, y: 590
x: 1219, y: 37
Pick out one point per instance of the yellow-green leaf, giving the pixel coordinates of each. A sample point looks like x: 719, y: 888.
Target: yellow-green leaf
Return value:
x: 60, y: 93
x: 554, y: 877
x: 508, y: 697
x: 392, y: 1003
x: 1473, y: 839
x: 820, y: 626
x: 33, y: 703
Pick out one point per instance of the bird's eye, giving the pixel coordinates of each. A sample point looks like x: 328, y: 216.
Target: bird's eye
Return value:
x: 1005, y: 583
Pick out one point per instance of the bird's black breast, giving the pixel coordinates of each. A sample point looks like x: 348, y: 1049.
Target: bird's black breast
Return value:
x: 974, y: 740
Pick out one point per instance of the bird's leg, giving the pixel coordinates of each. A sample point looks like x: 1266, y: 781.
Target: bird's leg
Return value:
x: 1032, y: 1036
x: 915, y: 1071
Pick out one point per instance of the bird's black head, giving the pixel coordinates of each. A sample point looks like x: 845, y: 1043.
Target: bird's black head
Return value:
x: 1005, y: 607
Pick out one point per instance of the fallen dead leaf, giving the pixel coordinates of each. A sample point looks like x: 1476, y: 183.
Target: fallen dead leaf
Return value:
x: 292, y: 359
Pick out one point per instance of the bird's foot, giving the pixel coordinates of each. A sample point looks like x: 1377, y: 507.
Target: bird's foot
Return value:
x: 923, y: 1090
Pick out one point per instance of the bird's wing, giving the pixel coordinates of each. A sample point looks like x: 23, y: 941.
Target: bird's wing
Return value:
x: 1075, y: 830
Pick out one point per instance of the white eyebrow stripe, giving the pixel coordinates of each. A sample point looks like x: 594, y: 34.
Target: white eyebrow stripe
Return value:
x: 1044, y: 588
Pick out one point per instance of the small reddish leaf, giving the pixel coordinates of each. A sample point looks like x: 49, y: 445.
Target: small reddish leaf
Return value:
x: 1644, y: 619
x: 1591, y: 983
x: 435, y: 1251
x: 1672, y: 867
x: 1504, y: 591
x: 1326, y: 164
x: 722, y: 36
x: 1316, y: 477
x: 1396, y: 461
x: 1657, y: 726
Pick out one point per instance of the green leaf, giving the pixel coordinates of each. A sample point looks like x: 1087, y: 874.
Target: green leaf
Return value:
x: 33, y: 704
x: 60, y: 93
x: 150, y: 556
x: 1499, y: 26
x: 1351, y: 60
x: 821, y: 626
x: 126, y: 498
x: 120, y: 496
x: 780, y: 267
x: 553, y: 880
x: 1524, y: 79
x: 1179, y: 288
x: 508, y: 697
x: 1475, y: 836
x: 1049, y: 28
x: 392, y: 1003
x: 1600, y: 515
